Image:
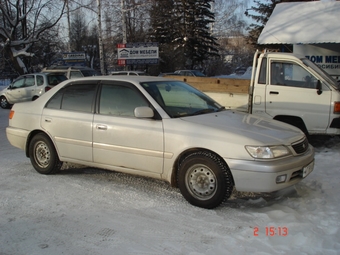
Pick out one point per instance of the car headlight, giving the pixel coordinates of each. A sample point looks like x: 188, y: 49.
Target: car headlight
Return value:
x: 263, y: 152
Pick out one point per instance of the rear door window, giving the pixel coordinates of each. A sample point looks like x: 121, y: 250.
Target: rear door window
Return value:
x: 77, y: 97
x: 40, y: 80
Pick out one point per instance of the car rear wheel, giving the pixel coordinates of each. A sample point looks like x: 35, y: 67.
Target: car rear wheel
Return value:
x: 4, y: 103
x: 204, y: 180
x: 43, y: 155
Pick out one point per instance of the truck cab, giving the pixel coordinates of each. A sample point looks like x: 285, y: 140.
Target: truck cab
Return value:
x: 292, y: 89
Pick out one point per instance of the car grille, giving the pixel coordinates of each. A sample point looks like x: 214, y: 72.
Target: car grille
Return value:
x: 301, y: 147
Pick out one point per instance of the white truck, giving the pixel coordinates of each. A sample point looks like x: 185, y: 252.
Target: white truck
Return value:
x: 289, y: 88
x: 294, y: 90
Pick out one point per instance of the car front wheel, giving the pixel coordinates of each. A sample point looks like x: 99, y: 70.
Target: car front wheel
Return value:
x: 43, y: 155
x: 4, y: 103
x: 204, y: 180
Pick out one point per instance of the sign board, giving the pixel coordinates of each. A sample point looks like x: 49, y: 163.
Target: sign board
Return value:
x: 138, y: 54
x: 74, y: 58
x: 73, y: 55
x: 326, y: 56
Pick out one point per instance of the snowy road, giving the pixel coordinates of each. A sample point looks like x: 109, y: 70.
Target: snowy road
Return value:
x: 90, y: 211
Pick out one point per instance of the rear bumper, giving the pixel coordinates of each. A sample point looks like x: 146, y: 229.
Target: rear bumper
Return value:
x: 260, y: 176
x: 17, y: 137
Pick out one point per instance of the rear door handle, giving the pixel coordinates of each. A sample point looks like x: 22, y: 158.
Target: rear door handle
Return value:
x: 273, y: 92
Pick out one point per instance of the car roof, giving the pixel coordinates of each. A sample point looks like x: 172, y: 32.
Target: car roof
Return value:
x: 67, y: 67
x: 126, y: 78
x: 127, y: 71
x: 44, y: 74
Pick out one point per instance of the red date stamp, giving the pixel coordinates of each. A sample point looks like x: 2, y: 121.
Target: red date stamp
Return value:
x: 271, y: 231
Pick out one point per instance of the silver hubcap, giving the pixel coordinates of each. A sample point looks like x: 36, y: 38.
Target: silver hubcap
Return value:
x: 201, y: 181
x: 42, y: 154
x: 3, y: 102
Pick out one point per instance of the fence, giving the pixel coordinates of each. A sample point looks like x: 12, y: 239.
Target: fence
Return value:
x: 218, y: 85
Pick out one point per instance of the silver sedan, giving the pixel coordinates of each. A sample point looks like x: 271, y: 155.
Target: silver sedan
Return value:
x: 159, y: 128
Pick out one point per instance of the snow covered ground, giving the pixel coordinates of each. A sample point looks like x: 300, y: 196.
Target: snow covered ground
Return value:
x: 89, y: 211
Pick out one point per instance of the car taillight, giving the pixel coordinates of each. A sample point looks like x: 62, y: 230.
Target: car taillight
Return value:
x: 11, y: 114
x: 47, y: 89
x: 336, y: 107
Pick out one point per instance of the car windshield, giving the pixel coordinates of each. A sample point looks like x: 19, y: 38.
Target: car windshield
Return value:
x: 179, y: 99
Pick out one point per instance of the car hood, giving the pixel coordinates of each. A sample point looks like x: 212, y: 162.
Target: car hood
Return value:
x: 4, y: 90
x: 248, y: 127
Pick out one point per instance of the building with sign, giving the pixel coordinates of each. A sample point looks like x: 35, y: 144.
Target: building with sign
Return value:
x: 311, y: 27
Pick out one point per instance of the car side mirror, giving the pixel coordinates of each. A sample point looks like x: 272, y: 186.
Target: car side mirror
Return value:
x: 143, y: 112
x: 319, y: 87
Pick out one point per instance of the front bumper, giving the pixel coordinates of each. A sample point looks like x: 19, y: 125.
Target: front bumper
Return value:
x: 260, y: 176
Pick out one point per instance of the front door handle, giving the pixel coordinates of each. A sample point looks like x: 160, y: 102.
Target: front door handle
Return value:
x: 101, y: 127
x: 273, y: 92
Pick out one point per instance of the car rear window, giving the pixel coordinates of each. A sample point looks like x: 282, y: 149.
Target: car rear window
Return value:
x: 89, y: 72
x: 55, y: 79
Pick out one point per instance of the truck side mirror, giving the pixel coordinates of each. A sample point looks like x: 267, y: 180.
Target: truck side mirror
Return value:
x: 319, y: 87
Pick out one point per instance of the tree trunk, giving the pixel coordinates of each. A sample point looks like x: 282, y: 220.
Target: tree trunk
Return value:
x: 100, y: 36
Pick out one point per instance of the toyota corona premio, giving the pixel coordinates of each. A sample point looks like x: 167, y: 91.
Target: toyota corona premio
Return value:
x: 159, y: 128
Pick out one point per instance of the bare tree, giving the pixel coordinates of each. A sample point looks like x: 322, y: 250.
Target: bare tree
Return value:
x: 229, y: 17
x: 23, y: 22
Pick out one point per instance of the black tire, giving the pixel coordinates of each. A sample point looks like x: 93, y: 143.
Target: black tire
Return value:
x: 43, y: 155
x: 4, y: 103
x: 204, y: 180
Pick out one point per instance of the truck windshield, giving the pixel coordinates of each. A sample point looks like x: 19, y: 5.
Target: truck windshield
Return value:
x: 322, y: 73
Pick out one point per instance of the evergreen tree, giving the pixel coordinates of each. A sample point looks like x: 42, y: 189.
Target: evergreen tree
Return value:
x: 182, y: 28
x: 163, y: 31
x: 264, y: 11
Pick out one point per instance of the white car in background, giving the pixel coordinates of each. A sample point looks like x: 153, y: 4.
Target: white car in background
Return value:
x: 135, y: 73
x: 29, y: 87
x: 71, y: 72
x: 159, y: 128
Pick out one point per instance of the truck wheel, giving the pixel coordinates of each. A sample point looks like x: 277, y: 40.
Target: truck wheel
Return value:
x: 204, y: 180
x: 43, y: 155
